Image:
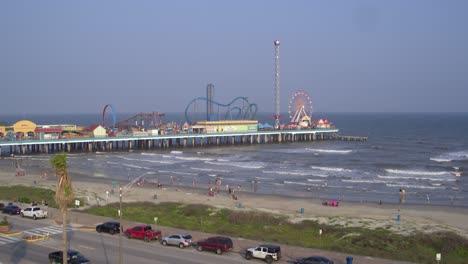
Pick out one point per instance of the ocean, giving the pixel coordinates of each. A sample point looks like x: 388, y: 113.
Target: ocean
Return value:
x: 415, y: 152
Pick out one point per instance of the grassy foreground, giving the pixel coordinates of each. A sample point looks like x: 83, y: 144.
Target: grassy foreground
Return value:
x: 419, y: 248
x: 27, y: 194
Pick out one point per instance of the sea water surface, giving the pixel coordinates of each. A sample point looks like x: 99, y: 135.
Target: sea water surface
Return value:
x: 418, y: 153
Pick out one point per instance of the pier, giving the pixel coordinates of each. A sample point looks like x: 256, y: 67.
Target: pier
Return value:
x: 149, y: 142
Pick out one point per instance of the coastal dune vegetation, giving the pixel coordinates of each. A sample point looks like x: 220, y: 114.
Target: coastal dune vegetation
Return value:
x: 251, y: 224
x: 418, y: 247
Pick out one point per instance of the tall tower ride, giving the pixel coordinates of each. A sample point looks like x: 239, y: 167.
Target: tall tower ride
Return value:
x: 277, y: 85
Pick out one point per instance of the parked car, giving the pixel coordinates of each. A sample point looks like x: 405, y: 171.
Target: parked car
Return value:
x: 11, y: 210
x: 217, y: 244
x: 109, y: 227
x: 265, y: 251
x: 144, y: 232
x: 181, y: 240
x: 73, y: 257
x: 311, y: 260
x: 33, y: 212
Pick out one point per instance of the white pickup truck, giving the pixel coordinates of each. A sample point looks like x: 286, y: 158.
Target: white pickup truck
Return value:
x: 34, y: 212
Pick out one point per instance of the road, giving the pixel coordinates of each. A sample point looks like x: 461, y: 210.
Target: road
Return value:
x: 99, y: 248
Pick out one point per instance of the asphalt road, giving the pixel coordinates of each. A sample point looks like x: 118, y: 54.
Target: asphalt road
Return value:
x: 99, y: 248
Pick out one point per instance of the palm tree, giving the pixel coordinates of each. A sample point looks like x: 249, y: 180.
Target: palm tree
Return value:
x: 64, y: 194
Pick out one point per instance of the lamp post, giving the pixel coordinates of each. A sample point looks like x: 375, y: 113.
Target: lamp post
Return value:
x: 121, y: 228
x: 122, y: 190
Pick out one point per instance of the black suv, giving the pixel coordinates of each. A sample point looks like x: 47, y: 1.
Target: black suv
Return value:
x: 108, y: 227
x: 217, y: 244
x: 73, y: 257
x: 11, y: 209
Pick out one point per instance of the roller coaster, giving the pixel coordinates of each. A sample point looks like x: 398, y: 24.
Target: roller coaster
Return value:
x: 238, y: 109
x: 138, y: 121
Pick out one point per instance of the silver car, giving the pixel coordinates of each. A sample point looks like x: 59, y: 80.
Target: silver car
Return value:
x: 180, y: 240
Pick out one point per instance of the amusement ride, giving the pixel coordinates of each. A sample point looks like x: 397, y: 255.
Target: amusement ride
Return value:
x: 300, y: 108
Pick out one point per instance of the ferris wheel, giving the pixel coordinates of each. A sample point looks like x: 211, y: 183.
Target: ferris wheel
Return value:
x: 300, y: 107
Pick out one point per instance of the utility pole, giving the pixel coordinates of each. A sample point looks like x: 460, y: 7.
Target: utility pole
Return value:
x: 121, y: 228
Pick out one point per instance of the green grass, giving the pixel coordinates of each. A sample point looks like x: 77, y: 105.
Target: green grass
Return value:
x: 27, y: 194
x: 419, y: 248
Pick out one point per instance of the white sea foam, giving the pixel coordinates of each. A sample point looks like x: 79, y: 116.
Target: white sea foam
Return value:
x: 411, y: 172
x: 287, y: 173
x: 330, y: 169
x: 320, y: 175
x: 176, y: 152
x: 245, y: 165
x: 314, y: 180
x: 296, y: 183
x: 440, y: 160
x: 149, y: 154
x: 364, y: 181
x: 265, y: 178
x: 193, y: 158
x: 416, y: 178
x: 414, y: 186
x: 451, y: 156
x: 333, y: 151
x: 207, y: 169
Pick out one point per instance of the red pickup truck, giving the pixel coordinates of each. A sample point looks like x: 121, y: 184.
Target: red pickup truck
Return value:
x: 144, y: 232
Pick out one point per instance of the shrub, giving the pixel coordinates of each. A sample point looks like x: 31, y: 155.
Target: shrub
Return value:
x: 4, y: 222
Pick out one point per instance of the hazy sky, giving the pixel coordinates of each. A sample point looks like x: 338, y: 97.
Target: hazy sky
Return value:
x: 143, y: 56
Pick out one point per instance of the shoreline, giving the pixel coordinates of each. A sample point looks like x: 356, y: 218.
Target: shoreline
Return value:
x: 414, y: 217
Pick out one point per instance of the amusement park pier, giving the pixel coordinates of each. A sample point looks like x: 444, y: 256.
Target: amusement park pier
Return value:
x: 149, y: 142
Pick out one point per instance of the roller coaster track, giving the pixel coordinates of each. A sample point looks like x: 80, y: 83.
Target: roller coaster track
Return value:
x: 142, y: 120
x: 248, y: 110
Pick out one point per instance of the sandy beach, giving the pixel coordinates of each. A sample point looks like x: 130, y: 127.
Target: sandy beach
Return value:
x: 425, y: 218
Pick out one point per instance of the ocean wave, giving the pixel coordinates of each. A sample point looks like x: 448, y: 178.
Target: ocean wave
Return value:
x: 414, y: 186
x: 314, y: 180
x: 176, y: 152
x: 245, y: 165
x: 296, y: 183
x: 288, y: 173
x: 207, y: 169
x: 365, y: 181
x: 135, y: 166
x: 193, y: 158
x: 416, y: 178
x: 440, y: 160
x: 149, y: 154
x: 265, y: 178
x: 411, y: 172
x: 334, y: 151
x: 452, y: 156
x: 330, y: 169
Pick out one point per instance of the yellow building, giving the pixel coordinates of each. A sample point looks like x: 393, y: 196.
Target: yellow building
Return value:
x: 226, y: 126
x: 24, y: 126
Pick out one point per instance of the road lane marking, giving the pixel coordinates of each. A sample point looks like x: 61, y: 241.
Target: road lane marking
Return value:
x: 90, y: 248
x: 5, y: 240
x: 50, y: 230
